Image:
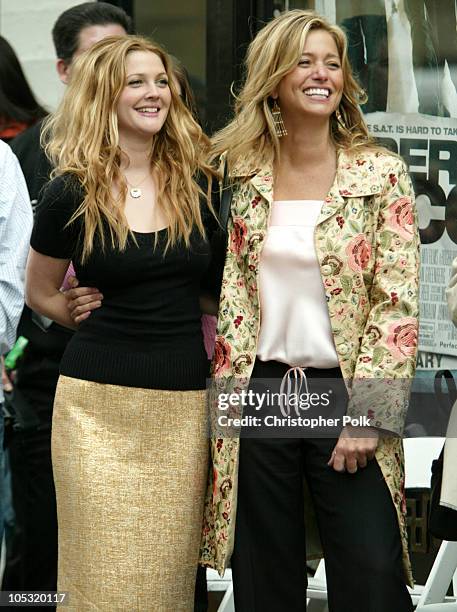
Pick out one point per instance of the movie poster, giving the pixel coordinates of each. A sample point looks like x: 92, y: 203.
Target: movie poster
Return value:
x: 429, y: 147
x: 404, y: 53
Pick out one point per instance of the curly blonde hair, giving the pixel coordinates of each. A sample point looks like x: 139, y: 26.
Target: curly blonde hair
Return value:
x: 250, y: 137
x: 82, y: 138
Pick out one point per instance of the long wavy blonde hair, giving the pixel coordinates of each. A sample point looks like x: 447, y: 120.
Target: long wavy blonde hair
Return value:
x: 82, y: 138
x: 250, y: 137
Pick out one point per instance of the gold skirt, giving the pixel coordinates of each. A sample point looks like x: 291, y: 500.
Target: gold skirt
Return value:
x: 130, y: 469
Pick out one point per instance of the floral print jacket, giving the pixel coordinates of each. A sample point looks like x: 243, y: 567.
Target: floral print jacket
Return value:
x: 367, y: 244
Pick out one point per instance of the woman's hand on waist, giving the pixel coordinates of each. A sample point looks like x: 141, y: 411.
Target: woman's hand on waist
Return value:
x: 81, y: 300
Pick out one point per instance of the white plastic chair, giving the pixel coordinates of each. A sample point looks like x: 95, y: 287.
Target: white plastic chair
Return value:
x: 419, y: 454
x: 443, y: 572
x: 227, y: 603
x: 218, y: 584
x: 316, y: 593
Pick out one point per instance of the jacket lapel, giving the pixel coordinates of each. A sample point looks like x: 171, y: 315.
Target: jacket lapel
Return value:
x: 349, y: 184
x: 260, y: 178
x: 263, y: 183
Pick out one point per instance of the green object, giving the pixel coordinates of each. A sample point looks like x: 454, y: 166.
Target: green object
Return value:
x: 15, y: 353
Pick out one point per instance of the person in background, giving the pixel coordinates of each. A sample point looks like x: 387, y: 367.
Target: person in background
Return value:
x: 31, y: 548
x: 19, y: 108
x: 75, y: 31
x: 129, y: 425
x: 15, y: 228
x: 320, y: 282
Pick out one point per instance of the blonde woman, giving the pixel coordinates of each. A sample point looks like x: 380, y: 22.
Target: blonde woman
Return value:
x: 320, y: 282
x: 129, y: 432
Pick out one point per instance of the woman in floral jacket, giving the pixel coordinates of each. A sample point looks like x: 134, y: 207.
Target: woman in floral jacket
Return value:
x: 320, y: 281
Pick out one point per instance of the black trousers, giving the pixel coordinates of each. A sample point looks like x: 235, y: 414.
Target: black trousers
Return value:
x: 31, y: 545
x: 31, y: 548
x: 356, y: 519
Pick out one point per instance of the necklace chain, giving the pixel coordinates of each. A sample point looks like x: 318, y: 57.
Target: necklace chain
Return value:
x: 134, y: 190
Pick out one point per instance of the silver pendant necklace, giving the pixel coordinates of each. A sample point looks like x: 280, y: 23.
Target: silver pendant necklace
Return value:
x: 134, y: 190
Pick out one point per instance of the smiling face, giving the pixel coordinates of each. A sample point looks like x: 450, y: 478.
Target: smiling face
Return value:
x: 315, y: 86
x: 145, y: 100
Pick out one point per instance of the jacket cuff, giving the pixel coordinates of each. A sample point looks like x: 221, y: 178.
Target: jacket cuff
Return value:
x: 384, y: 402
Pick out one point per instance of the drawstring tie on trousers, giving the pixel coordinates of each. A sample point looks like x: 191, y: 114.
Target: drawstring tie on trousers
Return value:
x: 292, y: 382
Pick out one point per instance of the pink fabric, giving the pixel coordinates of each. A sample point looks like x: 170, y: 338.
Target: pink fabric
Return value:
x: 70, y: 272
x: 209, y: 333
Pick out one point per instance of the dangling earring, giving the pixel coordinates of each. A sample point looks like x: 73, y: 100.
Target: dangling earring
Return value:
x: 280, y: 128
x: 340, y: 121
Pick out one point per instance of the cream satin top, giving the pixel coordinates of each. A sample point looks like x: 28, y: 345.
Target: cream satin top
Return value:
x: 295, y: 325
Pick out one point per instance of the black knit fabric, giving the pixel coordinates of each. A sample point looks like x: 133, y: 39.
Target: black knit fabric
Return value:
x: 148, y: 331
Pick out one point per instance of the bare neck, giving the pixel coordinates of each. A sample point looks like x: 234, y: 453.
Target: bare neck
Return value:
x: 307, y: 147
x: 136, y: 154
x: 307, y: 164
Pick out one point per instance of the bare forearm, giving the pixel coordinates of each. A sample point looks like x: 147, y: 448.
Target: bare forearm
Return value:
x: 53, y: 307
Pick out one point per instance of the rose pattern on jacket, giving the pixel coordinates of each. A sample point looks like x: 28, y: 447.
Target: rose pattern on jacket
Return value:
x: 333, y: 261
x: 401, y: 217
x: 359, y: 253
x: 238, y: 235
x: 374, y: 334
x: 402, y: 338
x: 221, y: 359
